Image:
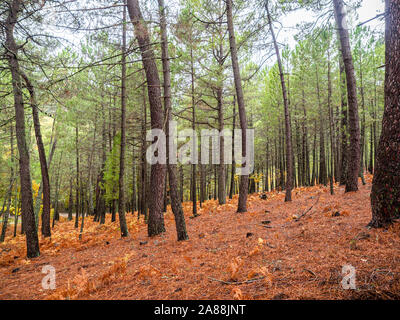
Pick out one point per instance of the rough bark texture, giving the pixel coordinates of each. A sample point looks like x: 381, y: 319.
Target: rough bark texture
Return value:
x: 385, y: 194
x: 343, y: 125
x: 76, y: 225
x: 28, y: 217
x: 46, y: 232
x: 100, y: 201
x: 288, y: 130
x: 176, y: 204
x: 157, y: 176
x: 244, y: 179
x: 233, y: 166
x: 193, y: 182
x: 121, y: 198
x: 322, y: 177
x: 70, y: 202
x: 221, y: 166
x: 10, y: 189
x: 354, y: 128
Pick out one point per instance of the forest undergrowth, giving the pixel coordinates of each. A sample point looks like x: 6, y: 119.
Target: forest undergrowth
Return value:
x: 277, y: 250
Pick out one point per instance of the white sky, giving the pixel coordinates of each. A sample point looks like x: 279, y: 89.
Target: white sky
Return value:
x: 368, y: 10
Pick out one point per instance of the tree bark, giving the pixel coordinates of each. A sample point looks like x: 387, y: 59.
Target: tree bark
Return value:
x: 354, y: 128
x: 193, y: 189
x: 173, y: 181
x: 322, y: 162
x: 233, y: 166
x: 121, y: 198
x: 10, y: 189
x: 385, y: 193
x: 134, y: 201
x: 28, y: 217
x: 156, y: 217
x: 244, y: 179
x: 46, y: 232
x: 343, y: 125
x: 288, y: 130
x: 77, y: 175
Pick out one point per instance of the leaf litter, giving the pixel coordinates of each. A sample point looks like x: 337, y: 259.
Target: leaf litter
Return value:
x: 228, y: 255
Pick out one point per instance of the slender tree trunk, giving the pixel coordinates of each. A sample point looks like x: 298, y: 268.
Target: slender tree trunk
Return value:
x: 244, y: 178
x: 16, y: 216
x: 322, y: 163
x: 362, y: 143
x: 121, y: 199
x: 331, y: 125
x: 77, y: 176
x: 193, y: 182
x: 343, y: 125
x: 83, y: 211
x: 181, y: 182
x: 385, y: 193
x: 9, y: 193
x: 56, y: 215
x: 90, y: 174
x: 289, y: 151
x: 233, y: 167
x: 134, y: 201
x: 70, y: 201
x: 143, y: 197
x: 156, y: 217
x: 306, y: 156
x: 221, y: 166
x: 101, y: 204
x: 32, y: 241
x: 173, y: 181
x: 46, y: 232
x: 354, y: 128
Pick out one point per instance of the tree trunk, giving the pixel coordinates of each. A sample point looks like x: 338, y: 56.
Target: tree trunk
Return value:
x: 193, y: 189
x: 362, y: 143
x: 156, y: 217
x: 134, y: 201
x: 143, y: 193
x: 121, y: 199
x: 9, y: 192
x: 289, y: 151
x: 233, y: 166
x: 331, y: 126
x: 100, y: 201
x: 46, y: 232
x: 77, y: 175
x: 354, y: 128
x: 70, y: 202
x: 343, y: 124
x: 244, y: 178
x: 322, y: 163
x: 28, y: 217
x: 173, y: 181
x: 385, y: 193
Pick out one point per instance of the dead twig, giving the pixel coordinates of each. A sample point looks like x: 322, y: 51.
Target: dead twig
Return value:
x: 310, y: 272
x: 308, y: 210
x: 235, y: 282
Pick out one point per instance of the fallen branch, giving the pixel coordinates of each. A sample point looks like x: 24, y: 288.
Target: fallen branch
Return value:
x: 308, y: 210
x: 235, y: 282
x: 310, y: 272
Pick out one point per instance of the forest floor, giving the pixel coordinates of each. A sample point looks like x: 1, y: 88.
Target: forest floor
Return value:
x: 266, y: 253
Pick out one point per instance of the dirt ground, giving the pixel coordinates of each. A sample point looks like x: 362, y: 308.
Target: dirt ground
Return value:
x: 271, y: 252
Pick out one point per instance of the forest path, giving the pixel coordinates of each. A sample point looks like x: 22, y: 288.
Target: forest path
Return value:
x: 287, y: 260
